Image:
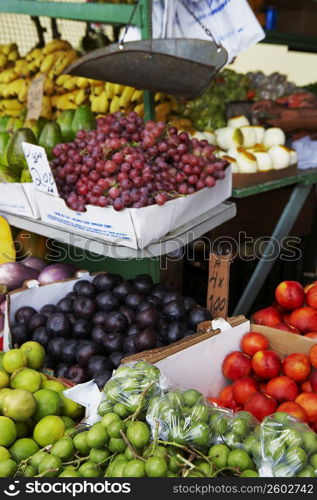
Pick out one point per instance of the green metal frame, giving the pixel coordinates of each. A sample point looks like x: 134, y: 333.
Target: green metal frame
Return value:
x: 294, y: 42
x: 103, y: 13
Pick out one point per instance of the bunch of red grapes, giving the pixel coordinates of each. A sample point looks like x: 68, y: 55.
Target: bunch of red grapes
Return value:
x: 125, y: 163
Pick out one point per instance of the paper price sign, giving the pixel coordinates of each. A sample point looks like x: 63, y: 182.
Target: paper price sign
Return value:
x: 40, y: 169
x: 35, y: 98
x: 218, y: 285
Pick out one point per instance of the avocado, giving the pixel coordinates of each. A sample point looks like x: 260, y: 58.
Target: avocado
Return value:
x: 50, y: 136
x: 3, y: 122
x: 84, y: 119
x: 25, y: 176
x: 4, y: 139
x: 65, y: 121
x: 14, y: 124
x: 14, y: 153
x: 7, y: 175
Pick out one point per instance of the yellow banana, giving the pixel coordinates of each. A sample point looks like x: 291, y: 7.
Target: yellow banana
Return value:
x: 48, y: 62
x: 70, y: 83
x: 62, y: 62
x: 118, y: 88
x: 80, y: 97
x: 110, y: 87
x: 23, y: 94
x: 13, y: 55
x: 115, y: 104
x: 64, y: 102
x: 6, y: 49
x: 99, y: 104
x: 3, y: 60
x: 82, y: 82
x: 139, y: 109
x: 125, y: 98
x: 13, y: 88
x: 55, y: 45
x: 46, y: 107
x: 48, y: 86
x: 34, y: 54
x: 7, y: 75
x: 138, y: 94
x: 95, y: 91
x: 11, y: 104
x: 162, y: 110
x: 61, y: 79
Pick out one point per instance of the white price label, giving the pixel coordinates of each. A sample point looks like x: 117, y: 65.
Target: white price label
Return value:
x: 40, y: 169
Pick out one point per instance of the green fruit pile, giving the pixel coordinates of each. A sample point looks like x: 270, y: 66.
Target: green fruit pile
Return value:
x: 34, y: 412
x: 288, y: 447
x: 131, y: 388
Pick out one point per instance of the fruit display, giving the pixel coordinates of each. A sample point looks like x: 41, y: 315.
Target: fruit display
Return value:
x: 262, y: 382
x: 294, y: 309
x: 89, y: 331
x: 208, y: 112
x: 270, y: 86
x: 252, y: 148
x: 128, y: 163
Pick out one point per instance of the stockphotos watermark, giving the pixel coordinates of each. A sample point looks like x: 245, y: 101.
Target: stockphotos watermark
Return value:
x: 244, y: 247
x: 71, y: 488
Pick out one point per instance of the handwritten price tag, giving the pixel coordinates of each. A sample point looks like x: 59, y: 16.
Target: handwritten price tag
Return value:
x: 40, y: 169
x: 218, y: 285
x: 35, y: 98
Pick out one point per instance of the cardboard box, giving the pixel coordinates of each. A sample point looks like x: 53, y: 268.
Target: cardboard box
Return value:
x: 35, y: 295
x: 247, y: 180
x: 196, y: 362
x: 19, y: 199
x: 133, y: 227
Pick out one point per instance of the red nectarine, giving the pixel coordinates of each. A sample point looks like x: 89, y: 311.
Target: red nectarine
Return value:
x: 260, y: 405
x: 308, y: 401
x: 290, y: 295
x: 282, y: 389
x: 236, y: 365
x: 269, y: 316
x: 296, y: 366
x: 311, y: 335
x: 306, y: 386
x: 243, y: 388
x: 313, y: 381
x: 305, y: 319
x: 311, y: 297
x: 252, y: 342
x: 226, y: 398
x: 313, y: 355
x: 293, y: 409
x: 287, y: 328
x: 266, y: 364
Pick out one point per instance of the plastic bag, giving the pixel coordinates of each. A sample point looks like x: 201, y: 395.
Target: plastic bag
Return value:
x: 236, y: 430
x: 287, y: 448
x: 133, y: 385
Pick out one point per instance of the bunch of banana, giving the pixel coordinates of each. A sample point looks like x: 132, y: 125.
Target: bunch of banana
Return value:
x: 70, y: 92
x: 8, y: 54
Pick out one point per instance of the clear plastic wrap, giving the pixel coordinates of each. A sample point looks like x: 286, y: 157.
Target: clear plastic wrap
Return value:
x: 131, y: 388
x: 287, y: 448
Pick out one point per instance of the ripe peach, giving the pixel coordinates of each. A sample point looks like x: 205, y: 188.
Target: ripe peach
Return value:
x: 226, y: 398
x: 313, y: 355
x: 243, y: 388
x: 308, y: 401
x: 313, y: 381
x: 290, y: 295
x: 296, y: 366
x: 266, y: 364
x: 269, y: 316
x: 311, y: 296
x: 306, y: 387
x: 260, y: 405
x: 293, y: 409
x: 236, y: 365
x: 252, y: 342
x: 311, y: 335
x: 282, y: 389
x: 287, y: 328
x: 305, y: 319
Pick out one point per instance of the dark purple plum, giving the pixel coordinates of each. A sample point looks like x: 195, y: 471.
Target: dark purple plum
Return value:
x: 24, y: 314
x: 48, y: 310
x: 143, y: 283
x: 102, y: 377
x: 81, y: 328
x: 49, y: 362
x: 84, y: 307
x: 145, y: 340
x: 147, y: 319
x: 105, y: 282
x: 113, y: 342
x: 72, y: 295
x: 156, y: 301
x: 129, y: 313
x: 85, y: 351
x: 98, y: 364
x: 146, y: 304
x: 132, y: 330
x: 85, y: 289
x: 174, y: 310
x: 159, y: 291
x: 68, y: 351
x: 128, y: 345
x: 36, y: 321
x: 189, y: 303
x: 61, y: 370
x: 41, y: 336
x: 115, y: 358
x: 196, y: 316
x: 172, y: 296
x: 123, y: 289
x: 54, y: 347
x: 98, y: 335
x: 107, y: 301
x: 175, y: 331
x: 134, y: 300
x: 65, y: 305
x: 58, y: 325
x: 71, y: 318
x: 99, y: 318
x: 20, y: 333
x: 77, y: 374
x: 116, y: 321
x: 162, y: 328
